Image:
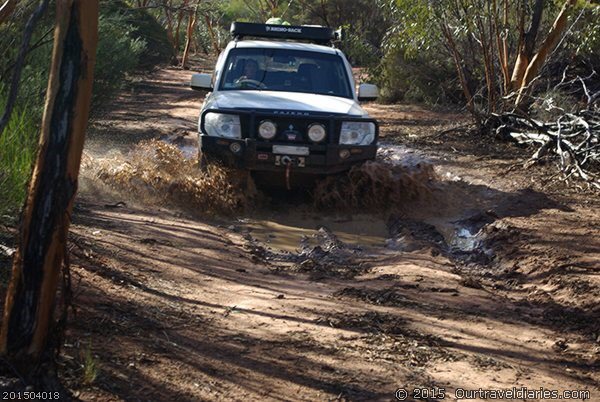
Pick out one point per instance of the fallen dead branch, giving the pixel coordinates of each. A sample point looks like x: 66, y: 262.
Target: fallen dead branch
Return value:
x: 573, y: 139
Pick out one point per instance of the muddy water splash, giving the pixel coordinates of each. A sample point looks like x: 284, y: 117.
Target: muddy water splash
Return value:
x: 375, y: 186
x: 354, y: 205
x: 156, y: 171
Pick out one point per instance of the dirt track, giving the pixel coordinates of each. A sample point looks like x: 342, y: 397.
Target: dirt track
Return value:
x: 177, y: 307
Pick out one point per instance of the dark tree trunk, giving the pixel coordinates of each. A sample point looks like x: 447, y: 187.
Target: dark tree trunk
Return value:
x: 7, y: 9
x: 30, y: 301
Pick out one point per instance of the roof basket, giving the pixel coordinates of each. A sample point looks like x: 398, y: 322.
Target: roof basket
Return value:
x: 315, y: 34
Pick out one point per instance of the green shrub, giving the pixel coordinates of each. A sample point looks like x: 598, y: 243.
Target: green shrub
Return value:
x: 118, y: 54
x: 204, y: 39
x: 359, y: 51
x: 144, y: 27
x: 425, y: 77
x: 18, y: 147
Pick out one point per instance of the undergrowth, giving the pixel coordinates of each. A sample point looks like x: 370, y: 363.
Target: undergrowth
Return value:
x: 18, y: 146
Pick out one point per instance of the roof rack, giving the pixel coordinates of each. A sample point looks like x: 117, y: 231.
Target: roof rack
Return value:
x: 315, y: 34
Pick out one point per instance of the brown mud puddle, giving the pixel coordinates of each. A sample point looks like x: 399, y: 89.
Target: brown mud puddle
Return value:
x: 287, y: 231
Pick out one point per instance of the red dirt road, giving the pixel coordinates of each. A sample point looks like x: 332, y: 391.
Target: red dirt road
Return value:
x: 175, y: 306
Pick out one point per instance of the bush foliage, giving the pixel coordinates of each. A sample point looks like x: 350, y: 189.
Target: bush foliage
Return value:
x: 128, y: 39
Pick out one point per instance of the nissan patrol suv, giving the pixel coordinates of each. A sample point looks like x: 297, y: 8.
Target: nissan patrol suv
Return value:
x: 283, y: 100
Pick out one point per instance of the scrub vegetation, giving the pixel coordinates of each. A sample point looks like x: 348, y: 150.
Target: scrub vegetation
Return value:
x: 129, y: 39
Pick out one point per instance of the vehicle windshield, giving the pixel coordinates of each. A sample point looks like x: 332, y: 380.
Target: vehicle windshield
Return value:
x: 286, y: 70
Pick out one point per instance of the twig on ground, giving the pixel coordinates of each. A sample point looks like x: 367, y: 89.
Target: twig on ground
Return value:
x: 574, y: 138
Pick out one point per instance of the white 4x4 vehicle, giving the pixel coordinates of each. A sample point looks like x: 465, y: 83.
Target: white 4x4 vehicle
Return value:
x: 285, y: 102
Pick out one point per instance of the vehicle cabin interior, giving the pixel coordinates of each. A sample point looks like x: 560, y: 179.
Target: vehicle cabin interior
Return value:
x: 307, y: 77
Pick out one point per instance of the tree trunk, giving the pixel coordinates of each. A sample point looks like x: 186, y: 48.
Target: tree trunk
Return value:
x: 180, y: 15
x: 190, y: 33
x: 501, y: 43
x: 189, y: 37
x: 532, y: 32
x: 559, y: 26
x: 169, y: 22
x: 7, y: 9
x: 504, y: 50
x: 459, y: 68
x: 488, y: 64
x: 30, y: 300
x: 527, y: 45
x: 213, y: 36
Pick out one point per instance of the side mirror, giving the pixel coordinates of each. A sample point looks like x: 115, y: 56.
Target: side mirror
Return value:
x: 367, y: 92
x: 202, y: 82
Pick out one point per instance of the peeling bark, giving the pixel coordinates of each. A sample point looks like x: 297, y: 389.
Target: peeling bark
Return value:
x: 559, y: 26
x: 527, y: 43
x: 38, y: 261
x: 190, y: 34
x: 213, y: 36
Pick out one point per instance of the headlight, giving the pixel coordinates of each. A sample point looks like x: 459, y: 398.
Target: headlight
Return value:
x: 222, y: 125
x: 357, y: 133
x: 316, y: 132
x: 267, y: 129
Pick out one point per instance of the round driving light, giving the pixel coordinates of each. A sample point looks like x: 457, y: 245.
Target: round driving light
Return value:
x: 267, y: 129
x: 344, y: 153
x: 316, y: 132
x: 235, y: 147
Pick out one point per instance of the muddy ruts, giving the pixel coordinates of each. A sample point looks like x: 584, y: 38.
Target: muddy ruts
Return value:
x: 39, y: 257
